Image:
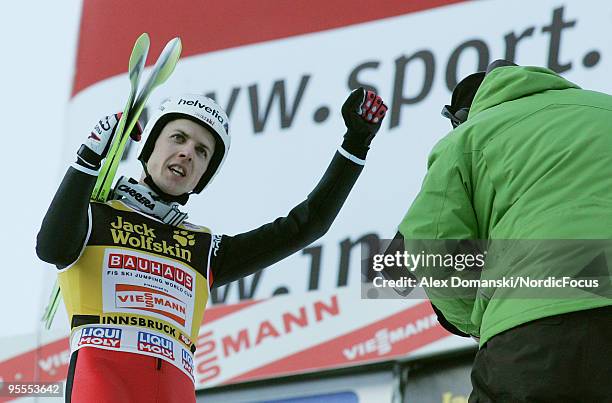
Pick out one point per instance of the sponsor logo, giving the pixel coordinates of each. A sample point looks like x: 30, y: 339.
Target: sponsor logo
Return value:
x: 241, y: 339
x: 141, y: 236
x: 126, y: 226
x: 55, y: 363
x: 125, y: 261
x: 140, y: 322
x: 100, y: 336
x: 139, y: 197
x: 152, y: 343
x: 105, y: 124
x: 216, y: 241
x: 384, y: 339
x: 207, y: 108
x: 184, y: 238
x: 150, y: 300
x: 187, y: 361
x: 185, y: 339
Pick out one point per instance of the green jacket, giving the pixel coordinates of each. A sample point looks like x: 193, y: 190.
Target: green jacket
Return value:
x: 533, y: 161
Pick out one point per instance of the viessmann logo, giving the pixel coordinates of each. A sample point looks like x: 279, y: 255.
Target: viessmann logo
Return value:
x: 141, y: 236
x: 150, y: 300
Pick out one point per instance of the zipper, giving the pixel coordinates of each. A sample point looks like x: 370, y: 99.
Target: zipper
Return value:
x: 159, y: 363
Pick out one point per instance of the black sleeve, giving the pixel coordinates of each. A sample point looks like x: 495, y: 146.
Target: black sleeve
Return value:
x: 393, y: 273
x: 64, y: 228
x: 244, y: 254
x: 446, y: 324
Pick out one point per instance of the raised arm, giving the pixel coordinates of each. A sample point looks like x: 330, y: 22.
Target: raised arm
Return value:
x: 64, y: 228
x: 243, y: 254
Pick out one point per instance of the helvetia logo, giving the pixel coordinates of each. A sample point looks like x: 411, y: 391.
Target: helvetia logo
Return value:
x: 152, y: 343
x: 207, y: 108
x: 141, y: 236
x: 100, y: 336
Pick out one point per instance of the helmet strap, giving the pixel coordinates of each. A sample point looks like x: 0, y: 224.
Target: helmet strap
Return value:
x: 180, y: 199
x: 148, y: 180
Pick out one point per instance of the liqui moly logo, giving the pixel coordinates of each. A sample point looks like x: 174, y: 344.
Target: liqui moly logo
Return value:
x: 152, y: 343
x: 150, y: 300
x: 187, y: 362
x: 100, y: 336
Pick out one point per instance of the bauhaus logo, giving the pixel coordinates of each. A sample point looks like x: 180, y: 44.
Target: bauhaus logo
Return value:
x: 127, y: 261
x: 152, y: 343
x: 100, y: 336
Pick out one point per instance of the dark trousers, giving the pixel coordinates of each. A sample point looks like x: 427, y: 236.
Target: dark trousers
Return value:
x: 561, y: 359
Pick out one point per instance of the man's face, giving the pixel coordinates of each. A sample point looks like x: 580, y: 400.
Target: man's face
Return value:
x: 180, y: 157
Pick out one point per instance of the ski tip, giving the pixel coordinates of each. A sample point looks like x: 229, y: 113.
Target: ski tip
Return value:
x: 143, y: 41
x: 173, y: 50
x: 174, y: 44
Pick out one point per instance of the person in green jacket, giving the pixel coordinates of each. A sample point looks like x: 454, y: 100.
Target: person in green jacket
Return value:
x: 527, y: 170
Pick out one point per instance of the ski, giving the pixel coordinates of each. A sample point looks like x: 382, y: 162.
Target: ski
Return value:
x: 136, y: 65
x: 164, y: 66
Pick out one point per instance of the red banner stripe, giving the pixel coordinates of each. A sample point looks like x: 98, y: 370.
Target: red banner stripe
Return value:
x: 329, y: 354
x: 110, y: 27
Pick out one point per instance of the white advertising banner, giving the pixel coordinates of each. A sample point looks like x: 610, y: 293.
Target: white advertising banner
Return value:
x: 284, y: 96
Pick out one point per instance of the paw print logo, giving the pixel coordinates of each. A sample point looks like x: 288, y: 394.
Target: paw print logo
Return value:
x: 184, y: 238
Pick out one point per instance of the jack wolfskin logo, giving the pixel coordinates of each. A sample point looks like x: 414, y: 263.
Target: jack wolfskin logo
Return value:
x: 184, y: 238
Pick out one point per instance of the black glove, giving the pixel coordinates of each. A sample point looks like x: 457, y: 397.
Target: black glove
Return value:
x: 363, y: 113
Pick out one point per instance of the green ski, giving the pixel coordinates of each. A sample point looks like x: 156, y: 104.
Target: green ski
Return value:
x: 161, y: 71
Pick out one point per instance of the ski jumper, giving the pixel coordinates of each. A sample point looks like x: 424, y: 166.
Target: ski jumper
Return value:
x: 136, y: 289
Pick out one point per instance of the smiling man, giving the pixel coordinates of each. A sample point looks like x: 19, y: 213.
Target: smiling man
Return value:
x: 135, y: 276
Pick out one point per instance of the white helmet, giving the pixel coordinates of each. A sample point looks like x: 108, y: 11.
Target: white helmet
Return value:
x: 199, y: 109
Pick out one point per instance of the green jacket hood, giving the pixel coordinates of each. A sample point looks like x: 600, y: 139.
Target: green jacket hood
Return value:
x: 508, y: 83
